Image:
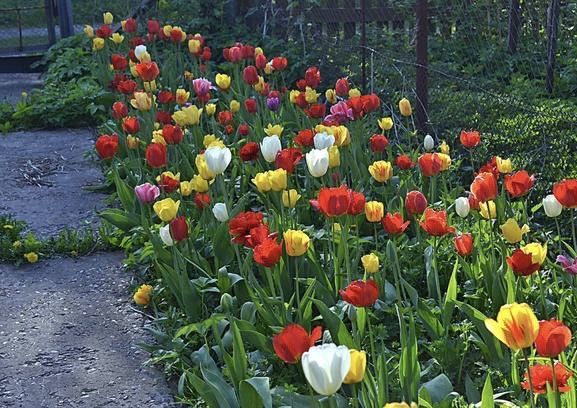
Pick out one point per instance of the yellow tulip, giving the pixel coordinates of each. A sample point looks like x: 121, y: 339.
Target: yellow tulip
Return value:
x: 512, y: 232
x: 97, y: 43
x: 370, y: 263
x: 107, y: 18
x: 275, y: 130
x: 381, y: 171
x: 385, y: 123
x: 199, y: 184
x: 223, y: 81
x: 374, y: 211
x: 296, y: 242
x: 488, y: 210
x: 516, y: 326
x: 142, y: 295
x: 258, y: 51
x: 141, y: 101
x: 132, y: 142
x: 278, y: 179
x: 234, y: 106
x: 268, y: 69
x: 341, y: 134
x: 186, y: 188
x: 181, y: 96
x: 117, y: 38
x: 189, y: 115
x: 400, y: 405
x: 405, y: 107
x: 168, y: 174
x: 445, y: 161
x: 194, y: 46
x: 311, y: 95
x: 504, y: 165
x: 330, y: 95
x: 444, y: 148
x: 210, y: 108
x: 31, y: 257
x: 150, y: 86
x: 259, y: 86
x: 200, y: 162
x: 166, y: 209
x: 262, y: 182
x: 166, y: 30
x: 188, y: 76
x: 357, y: 368
x: 157, y: 137
x: 293, y: 95
x: 334, y: 157
x: 89, y: 31
x: 354, y: 92
x: 290, y: 198
x: 537, y: 251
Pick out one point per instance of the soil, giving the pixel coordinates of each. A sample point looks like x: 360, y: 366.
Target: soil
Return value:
x: 69, y: 332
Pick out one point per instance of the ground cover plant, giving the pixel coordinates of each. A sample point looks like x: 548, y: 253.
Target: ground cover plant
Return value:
x: 301, y: 245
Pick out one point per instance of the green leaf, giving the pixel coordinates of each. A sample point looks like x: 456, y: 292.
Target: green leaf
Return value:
x: 487, y: 400
x: 438, y: 388
x: 120, y: 219
x: 339, y: 331
x: 255, y: 392
x: 125, y: 193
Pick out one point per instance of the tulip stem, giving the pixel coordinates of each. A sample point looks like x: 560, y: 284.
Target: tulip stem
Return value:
x: 555, y: 389
x: 297, y: 290
x: 573, y: 230
x: 532, y: 400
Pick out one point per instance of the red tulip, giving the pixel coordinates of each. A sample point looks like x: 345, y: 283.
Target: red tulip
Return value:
x: 163, y: 117
x: 179, y: 228
x: 305, y: 138
x: 249, y: 151
x: 518, y: 184
x: 404, y: 162
x: 258, y: 235
x: 165, y: 97
x: 147, y: 71
x: 239, y: 227
x: 119, y: 110
x: 491, y: 167
x: 542, y: 376
x: 553, y: 338
x: 342, y: 87
x: 201, y: 200
x: 243, y: 129
x: 334, y: 201
x: 172, y: 134
x: 153, y: 26
x: 378, y: 143
x: 435, y: 223
x: 250, y: 75
x: 415, y: 203
x: 484, y: 187
x: 566, y: 193
x: 156, y: 155
x: 316, y: 110
x: 394, y: 224
x: 464, y: 244
x: 470, y: 139
x: 119, y: 62
x: 357, y: 205
x: 293, y: 341
x: 268, y: 253
x: 224, y: 117
x: 131, y: 125
x: 126, y: 87
x: 430, y: 164
x: 288, y: 158
x: 521, y: 263
x: 250, y: 105
x: 312, y: 77
x: 130, y: 25
x: 107, y: 146
x: 260, y: 61
x: 104, y: 31
x: 361, y: 293
x: 168, y: 184
x: 279, y: 63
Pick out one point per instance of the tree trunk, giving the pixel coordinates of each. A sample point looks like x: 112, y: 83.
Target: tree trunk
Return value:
x: 422, y: 62
x: 552, y: 27
x: 514, y: 26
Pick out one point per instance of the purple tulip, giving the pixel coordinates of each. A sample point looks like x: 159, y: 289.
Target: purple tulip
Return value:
x: 340, y: 113
x: 569, y: 265
x: 147, y: 193
x: 201, y: 86
x: 273, y: 103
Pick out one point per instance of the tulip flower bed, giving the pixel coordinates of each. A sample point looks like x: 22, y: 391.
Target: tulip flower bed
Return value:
x: 306, y: 248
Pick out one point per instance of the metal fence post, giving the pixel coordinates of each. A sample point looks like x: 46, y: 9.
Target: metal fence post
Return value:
x: 363, y: 45
x: 422, y: 62
x: 49, y: 11
x: 553, y: 13
x: 65, y: 18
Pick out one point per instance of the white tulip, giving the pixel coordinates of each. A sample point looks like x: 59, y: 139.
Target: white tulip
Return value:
x: 552, y: 206
x: 462, y: 207
x: 165, y: 236
x: 325, y: 367
x: 323, y: 140
x: 220, y: 212
x: 217, y: 159
x: 139, y: 50
x: 269, y: 147
x: 429, y: 143
x: 318, y: 162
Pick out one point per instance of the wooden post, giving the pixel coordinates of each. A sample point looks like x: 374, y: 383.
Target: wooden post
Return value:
x: 422, y: 62
x: 65, y: 18
x: 349, y: 28
x: 514, y: 26
x: 49, y: 11
x: 364, y: 45
x: 553, y: 12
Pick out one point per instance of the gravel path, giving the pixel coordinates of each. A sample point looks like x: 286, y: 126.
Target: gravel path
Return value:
x: 68, y: 333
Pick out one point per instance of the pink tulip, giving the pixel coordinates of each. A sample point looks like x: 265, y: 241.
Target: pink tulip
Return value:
x: 146, y: 193
x: 201, y: 86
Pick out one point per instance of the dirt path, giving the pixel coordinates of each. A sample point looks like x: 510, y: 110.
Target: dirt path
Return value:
x: 68, y: 334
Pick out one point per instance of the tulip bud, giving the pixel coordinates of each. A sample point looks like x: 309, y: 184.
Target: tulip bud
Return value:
x: 107, y: 18
x: 226, y: 302
x: 220, y: 212
x: 462, y: 207
x: 165, y: 236
x: 210, y: 108
x: 217, y: 159
x: 269, y: 147
x: 429, y: 143
x: 552, y: 206
x: 357, y: 369
x: 317, y: 162
x: 405, y: 107
x: 290, y: 198
x: 370, y: 263
x: 325, y: 367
